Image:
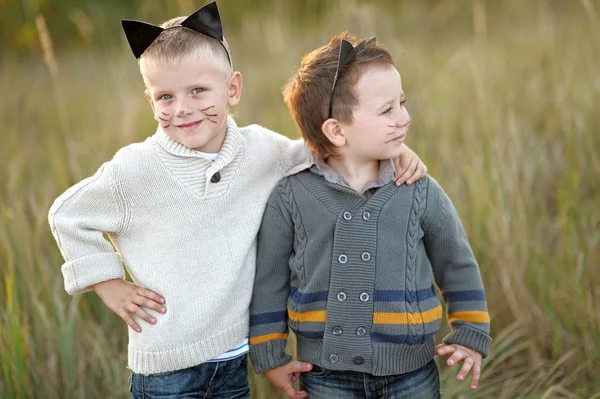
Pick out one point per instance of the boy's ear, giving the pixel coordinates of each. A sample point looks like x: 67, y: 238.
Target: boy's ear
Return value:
x: 147, y: 94
x: 333, y: 131
x: 235, y: 89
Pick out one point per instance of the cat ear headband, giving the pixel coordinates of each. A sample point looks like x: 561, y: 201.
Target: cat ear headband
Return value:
x: 345, y: 51
x: 205, y: 20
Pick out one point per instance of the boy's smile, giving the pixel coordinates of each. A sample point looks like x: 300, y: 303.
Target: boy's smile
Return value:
x: 190, y: 100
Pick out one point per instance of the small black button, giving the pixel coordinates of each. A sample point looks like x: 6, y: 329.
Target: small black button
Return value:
x: 216, y: 178
x: 358, y: 360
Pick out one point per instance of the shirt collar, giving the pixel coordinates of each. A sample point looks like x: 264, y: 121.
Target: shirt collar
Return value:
x: 386, y: 174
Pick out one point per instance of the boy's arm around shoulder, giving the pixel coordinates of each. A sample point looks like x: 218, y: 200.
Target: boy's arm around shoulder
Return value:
x: 78, y: 220
x: 292, y: 153
x: 268, y: 309
x: 456, y: 272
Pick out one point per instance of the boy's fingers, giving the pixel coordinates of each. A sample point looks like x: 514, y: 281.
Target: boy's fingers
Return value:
x: 136, y: 310
x: 420, y: 173
x: 150, y: 294
x: 296, y: 366
x: 444, y: 350
x: 475, y: 375
x: 292, y: 394
x: 466, y: 367
x: 456, y: 357
x: 408, y: 172
x: 150, y: 304
x: 129, y: 320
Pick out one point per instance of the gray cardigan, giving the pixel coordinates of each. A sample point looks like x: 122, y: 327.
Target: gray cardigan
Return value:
x: 353, y: 277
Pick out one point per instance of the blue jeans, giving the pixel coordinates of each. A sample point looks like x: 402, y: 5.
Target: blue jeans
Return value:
x: 423, y: 383
x: 219, y: 380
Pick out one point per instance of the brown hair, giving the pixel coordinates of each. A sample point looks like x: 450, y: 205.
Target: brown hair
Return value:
x: 173, y: 45
x: 308, y: 92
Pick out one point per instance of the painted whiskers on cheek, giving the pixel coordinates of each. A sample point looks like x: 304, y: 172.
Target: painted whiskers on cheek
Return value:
x: 166, y: 122
x: 209, y: 116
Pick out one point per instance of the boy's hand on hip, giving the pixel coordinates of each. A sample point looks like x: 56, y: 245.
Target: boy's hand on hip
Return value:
x: 469, y: 358
x: 127, y: 299
x: 409, y: 167
x: 284, y: 377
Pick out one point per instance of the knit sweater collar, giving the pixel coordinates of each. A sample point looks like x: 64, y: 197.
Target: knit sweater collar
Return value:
x: 231, y: 145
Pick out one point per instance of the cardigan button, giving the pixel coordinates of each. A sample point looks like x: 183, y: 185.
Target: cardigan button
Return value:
x: 216, y: 177
x: 341, y: 296
x: 347, y: 215
x: 360, y: 331
x: 333, y: 358
x: 337, y: 330
x: 358, y: 360
x: 366, y: 256
x: 342, y: 258
x: 366, y: 215
x: 364, y: 297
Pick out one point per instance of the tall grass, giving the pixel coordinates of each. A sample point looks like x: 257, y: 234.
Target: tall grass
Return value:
x: 505, y: 105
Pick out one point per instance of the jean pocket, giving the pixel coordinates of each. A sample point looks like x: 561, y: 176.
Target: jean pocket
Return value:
x: 317, y: 372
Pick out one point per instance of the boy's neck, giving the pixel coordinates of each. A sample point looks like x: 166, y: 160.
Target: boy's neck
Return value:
x: 356, y: 172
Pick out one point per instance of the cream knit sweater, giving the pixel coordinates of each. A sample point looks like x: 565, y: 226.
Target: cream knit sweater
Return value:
x: 191, y: 240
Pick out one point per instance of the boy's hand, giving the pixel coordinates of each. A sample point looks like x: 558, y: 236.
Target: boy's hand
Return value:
x: 284, y: 377
x: 469, y: 358
x: 409, y: 167
x: 126, y: 299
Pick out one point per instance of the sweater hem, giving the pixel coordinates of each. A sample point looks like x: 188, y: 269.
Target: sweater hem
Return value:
x: 190, y: 355
x: 388, y: 359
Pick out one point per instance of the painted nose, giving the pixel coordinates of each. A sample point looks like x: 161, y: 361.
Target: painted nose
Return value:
x: 183, y: 110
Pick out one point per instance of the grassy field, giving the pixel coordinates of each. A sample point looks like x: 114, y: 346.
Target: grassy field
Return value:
x: 505, y: 100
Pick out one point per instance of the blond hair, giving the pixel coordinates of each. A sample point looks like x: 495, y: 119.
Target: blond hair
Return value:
x: 177, y: 44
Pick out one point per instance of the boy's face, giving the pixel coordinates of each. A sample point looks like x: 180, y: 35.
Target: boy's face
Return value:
x: 381, y: 121
x: 190, y: 101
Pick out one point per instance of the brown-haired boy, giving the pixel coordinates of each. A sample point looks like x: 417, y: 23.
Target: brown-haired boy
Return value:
x: 347, y: 259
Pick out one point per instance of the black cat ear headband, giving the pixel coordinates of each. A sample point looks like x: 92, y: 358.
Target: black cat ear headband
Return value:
x: 345, y: 51
x: 205, y: 20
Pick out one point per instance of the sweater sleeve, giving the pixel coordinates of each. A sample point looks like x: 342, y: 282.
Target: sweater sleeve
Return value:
x: 456, y: 272
x: 268, y: 309
x: 292, y: 153
x: 79, y: 218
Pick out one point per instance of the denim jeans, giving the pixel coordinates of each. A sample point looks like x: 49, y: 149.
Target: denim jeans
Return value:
x: 423, y: 383
x: 219, y: 380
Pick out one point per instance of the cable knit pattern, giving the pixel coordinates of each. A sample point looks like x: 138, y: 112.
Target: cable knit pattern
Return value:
x: 287, y: 197
x: 189, y: 239
x: 412, y: 239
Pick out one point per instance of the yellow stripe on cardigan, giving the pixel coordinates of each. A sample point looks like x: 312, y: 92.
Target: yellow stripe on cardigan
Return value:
x: 304, y: 317
x: 408, y: 318
x: 268, y: 337
x: 473, y: 316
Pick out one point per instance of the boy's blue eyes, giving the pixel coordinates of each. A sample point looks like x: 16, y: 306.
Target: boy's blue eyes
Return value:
x: 166, y: 97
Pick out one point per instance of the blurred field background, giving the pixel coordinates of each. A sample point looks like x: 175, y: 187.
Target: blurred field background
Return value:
x: 505, y: 100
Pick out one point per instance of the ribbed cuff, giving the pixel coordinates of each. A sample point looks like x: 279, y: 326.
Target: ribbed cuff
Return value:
x: 269, y: 355
x: 471, y: 338
x: 80, y: 274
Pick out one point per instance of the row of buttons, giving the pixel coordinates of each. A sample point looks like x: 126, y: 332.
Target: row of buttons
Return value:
x: 341, y: 296
x: 348, y: 216
x: 334, y: 358
x: 364, y: 297
x: 365, y: 256
x: 337, y: 330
